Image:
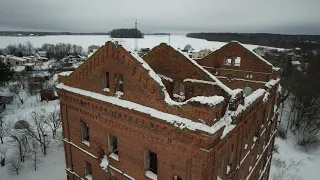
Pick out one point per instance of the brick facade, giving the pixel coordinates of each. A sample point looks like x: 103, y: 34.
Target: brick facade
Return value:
x: 181, y: 151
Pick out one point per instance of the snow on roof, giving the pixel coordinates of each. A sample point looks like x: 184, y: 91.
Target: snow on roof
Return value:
x: 40, y: 74
x: 295, y: 63
x: 18, y: 68
x: 29, y: 64
x: 16, y: 58
x: 42, y: 52
x: 272, y: 82
x: 6, y: 94
x: 27, y: 58
x: 66, y: 73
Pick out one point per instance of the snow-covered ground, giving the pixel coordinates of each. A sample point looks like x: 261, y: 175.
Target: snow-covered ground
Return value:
x: 291, y: 163
x: 53, y: 164
x: 149, y: 41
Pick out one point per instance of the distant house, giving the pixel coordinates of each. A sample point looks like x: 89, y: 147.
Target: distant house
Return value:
x: 42, y: 53
x: 3, y: 58
x: 6, y: 97
x: 41, y: 57
x: 16, y: 61
x: 39, y: 77
x: 200, y: 54
x: 48, y: 94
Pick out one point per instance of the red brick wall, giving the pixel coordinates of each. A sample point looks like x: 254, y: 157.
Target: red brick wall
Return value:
x: 165, y: 60
x: 192, y: 155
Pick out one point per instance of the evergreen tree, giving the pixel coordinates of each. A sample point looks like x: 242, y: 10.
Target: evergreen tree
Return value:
x: 6, y: 73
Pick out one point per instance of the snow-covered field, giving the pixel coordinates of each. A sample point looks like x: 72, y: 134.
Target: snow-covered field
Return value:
x: 149, y: 41
x: 52, y: 166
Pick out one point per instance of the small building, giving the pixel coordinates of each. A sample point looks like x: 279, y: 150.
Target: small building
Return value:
x: 29, y: 66
x: 16, y: 61
x: 6, y: 97
x: 200, y: 54
x: 48, y: 94
x: 39, y: 77
x: 42, y: 53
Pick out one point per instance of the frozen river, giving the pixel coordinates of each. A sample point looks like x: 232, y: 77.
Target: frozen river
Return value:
x: 149, y: 41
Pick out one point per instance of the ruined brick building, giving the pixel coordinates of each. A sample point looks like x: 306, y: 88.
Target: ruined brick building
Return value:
x: 165, y: 116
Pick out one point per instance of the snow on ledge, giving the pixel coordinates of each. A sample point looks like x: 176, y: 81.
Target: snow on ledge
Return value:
x: 177, y: 121
x: 104, y: 163
x: 114, y: 156
x: 106, y: 89
x: 151, y: 175
x: 69, y: 142
x: 118, y: 94
x: 165, y: 78
x: 199, y: 81
x: 211, y: 100
x: 272, y: 82
x: 66, y: 73
x: 85, y: 142
x: 89, y: 177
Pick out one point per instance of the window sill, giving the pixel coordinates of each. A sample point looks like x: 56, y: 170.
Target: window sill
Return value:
x: 151, y: 175
x: 89, y: 177
x: 114, y: 156
x: 85, y: 142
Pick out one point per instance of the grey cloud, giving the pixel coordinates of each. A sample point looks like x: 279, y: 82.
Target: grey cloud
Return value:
x: 176, y: 16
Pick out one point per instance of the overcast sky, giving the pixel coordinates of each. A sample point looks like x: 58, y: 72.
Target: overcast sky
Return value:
x: 175, y: 16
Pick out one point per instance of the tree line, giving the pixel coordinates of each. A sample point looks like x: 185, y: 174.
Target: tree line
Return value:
x: 54, y: 51
x: 301, y: 104
x: 126, y: 33
x: 264, y: 39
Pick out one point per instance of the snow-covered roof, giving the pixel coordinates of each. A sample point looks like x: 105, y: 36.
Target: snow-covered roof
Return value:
x: 42, y: 52
x: 66, y: 73
x: 18, y: 68
x: 29, y: 64
x: 295, y: 63
x: 40, y: 74
x: 16, y: 58
x: 27, y: 58
x: 6, y: 94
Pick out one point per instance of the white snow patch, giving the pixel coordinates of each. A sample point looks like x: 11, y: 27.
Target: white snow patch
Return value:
x: 104, y: 162
x: 89, y: 177
x: 114, y: 156
x: 165, y: 78
x: 106, y: 89
x: 272, y: 82
x: 87, y: 143
x: 199, y: 81
x: 66, y: 73
x: 151, y: 175
x: 118, y: 94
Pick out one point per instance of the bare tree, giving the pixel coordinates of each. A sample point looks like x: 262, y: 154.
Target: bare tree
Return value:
x: 15, y: 166
x: 53, y: 120
x: 35, y: 160
x: 4, y: 131
x: 17, y: 90
x: 19, y: 143
x: 38, y: 129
